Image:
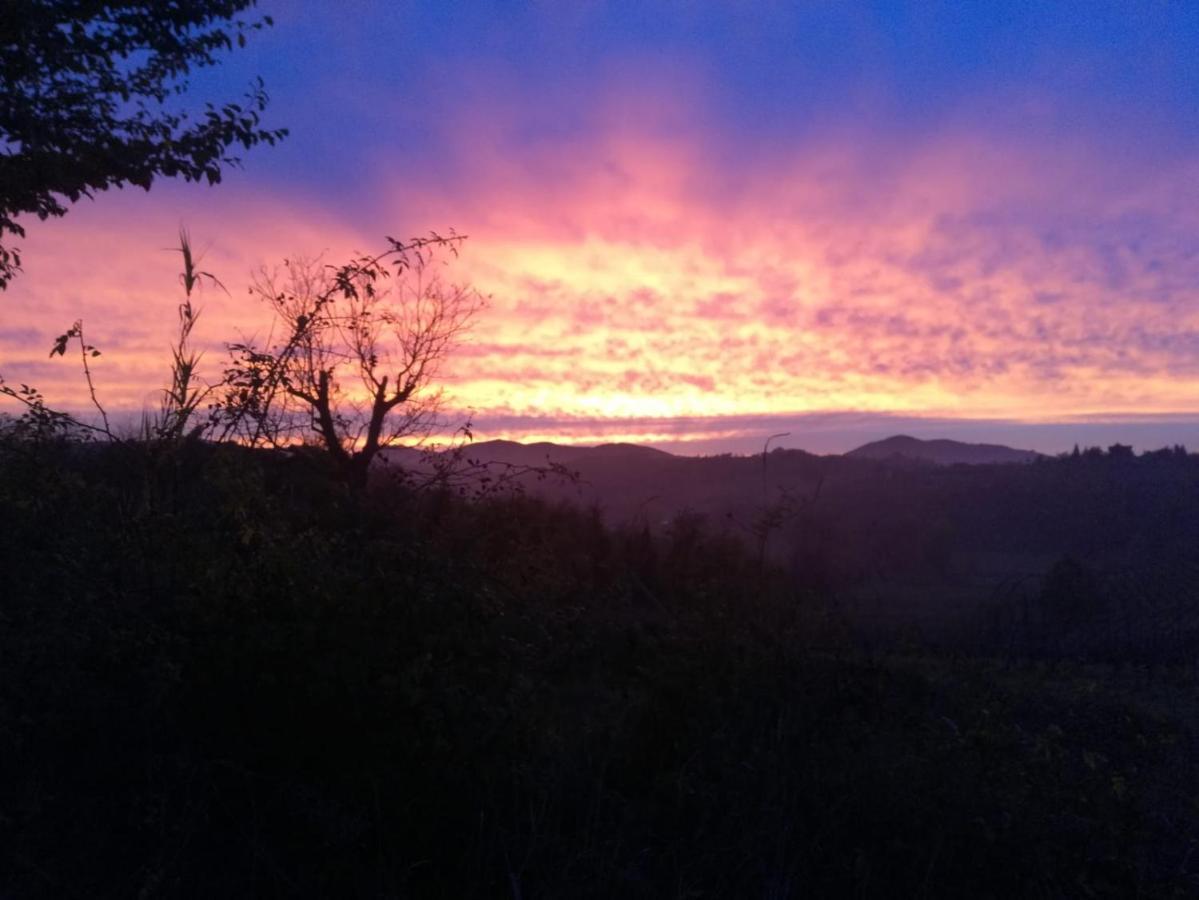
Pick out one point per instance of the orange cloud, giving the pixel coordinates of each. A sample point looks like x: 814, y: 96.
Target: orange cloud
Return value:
x: 970, y: 278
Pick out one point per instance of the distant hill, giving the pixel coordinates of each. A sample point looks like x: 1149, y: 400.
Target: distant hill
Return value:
x: 515, y: 453
x: 941, y: 452
x: 542, y: 453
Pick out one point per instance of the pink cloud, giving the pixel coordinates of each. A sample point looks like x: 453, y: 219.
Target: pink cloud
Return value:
x: 634, y: 272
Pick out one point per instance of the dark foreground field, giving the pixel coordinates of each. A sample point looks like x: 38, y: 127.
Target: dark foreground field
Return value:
x: 221, y: 675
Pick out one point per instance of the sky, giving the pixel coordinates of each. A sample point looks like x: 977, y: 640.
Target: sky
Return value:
x: 699, y: 224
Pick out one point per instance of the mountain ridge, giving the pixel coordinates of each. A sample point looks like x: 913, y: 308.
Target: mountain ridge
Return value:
x: 941, y: 451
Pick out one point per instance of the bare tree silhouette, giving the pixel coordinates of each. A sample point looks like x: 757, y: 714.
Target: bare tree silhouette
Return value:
x: 357, y: 364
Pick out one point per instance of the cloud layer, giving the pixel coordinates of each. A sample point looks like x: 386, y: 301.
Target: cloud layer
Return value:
x: 651, y: 258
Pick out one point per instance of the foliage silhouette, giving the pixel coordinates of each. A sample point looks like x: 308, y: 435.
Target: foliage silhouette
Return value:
x: 181, y: 399
x: 87, y: 106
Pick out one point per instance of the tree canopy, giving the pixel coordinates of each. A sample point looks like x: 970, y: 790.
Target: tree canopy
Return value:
x: 87, y: 101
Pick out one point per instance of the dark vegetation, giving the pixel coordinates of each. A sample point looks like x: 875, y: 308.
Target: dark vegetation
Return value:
x: 979, y: 557
x: 224, y: 672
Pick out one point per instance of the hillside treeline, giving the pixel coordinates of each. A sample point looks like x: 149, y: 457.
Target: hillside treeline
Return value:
x: 1094, y: 554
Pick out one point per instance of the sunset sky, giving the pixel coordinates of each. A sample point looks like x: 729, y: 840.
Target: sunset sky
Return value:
x: 702, y: 223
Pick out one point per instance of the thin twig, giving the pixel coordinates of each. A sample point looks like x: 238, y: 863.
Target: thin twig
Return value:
x: 84, y: 350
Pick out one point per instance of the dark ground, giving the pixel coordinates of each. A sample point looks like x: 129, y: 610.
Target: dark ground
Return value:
x: 223, y: 675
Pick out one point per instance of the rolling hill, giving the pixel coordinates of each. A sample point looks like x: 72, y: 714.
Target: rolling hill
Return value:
x: 941, y: 452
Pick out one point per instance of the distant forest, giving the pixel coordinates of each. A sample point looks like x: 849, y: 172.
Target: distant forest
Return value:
x: 1093, y: 548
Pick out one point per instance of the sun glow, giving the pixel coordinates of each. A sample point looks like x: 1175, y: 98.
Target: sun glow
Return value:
x: 635, y: 284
